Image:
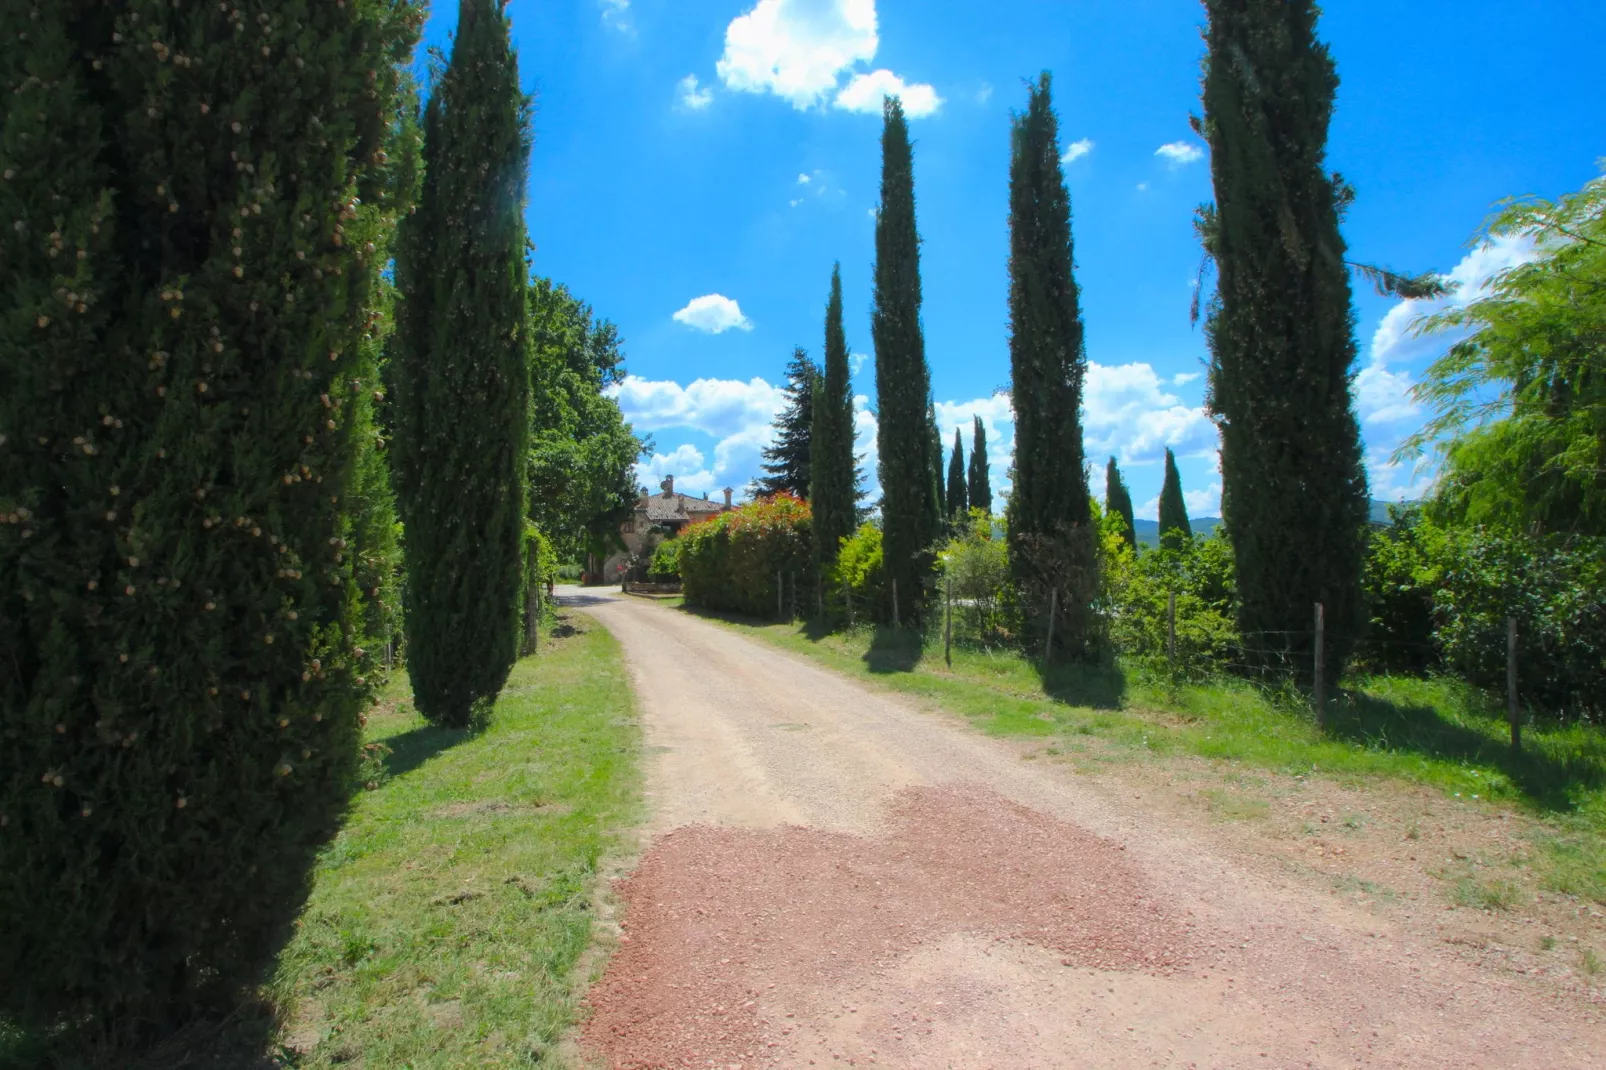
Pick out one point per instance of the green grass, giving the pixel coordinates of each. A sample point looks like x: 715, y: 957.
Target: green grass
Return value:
x: 1434, y: 731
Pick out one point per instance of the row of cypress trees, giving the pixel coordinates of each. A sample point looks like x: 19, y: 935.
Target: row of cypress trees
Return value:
x: 198, y: 565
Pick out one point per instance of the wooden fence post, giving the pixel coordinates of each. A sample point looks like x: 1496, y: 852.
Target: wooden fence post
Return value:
x: 1171, y: 632
x: 948, y: 625
x: 1318, y: 666
x: 1511, y: 684
x: 1048, y: 641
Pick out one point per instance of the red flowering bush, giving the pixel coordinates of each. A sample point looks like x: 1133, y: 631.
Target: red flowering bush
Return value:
x: 733, y: 561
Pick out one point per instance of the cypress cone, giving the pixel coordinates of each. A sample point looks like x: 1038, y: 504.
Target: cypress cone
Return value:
x: 196, y: 223
x: 903, y: 382
x: 461, y: 377
x: 834, y: 486
x: 1281, y: 330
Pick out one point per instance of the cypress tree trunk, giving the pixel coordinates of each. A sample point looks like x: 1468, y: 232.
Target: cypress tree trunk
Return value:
x: 1052, y: 542
x: 958, y: 503
x: 461, y: 382
x: 1173, y: 509
x: 980, y: 488
x: 1118, y: 501
x: 903, y: 382
x: 1281, y: 329
x: 196, y: 204
x: 833, y: 494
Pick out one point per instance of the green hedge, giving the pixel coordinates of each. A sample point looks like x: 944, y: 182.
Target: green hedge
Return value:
x: 732, y: 561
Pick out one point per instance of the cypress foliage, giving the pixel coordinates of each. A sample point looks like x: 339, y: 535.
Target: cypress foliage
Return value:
x: 903, y: 381
x: 980, y: 487
x: 787, y: 458
x: 939, y: 493
x: 1281, y: 329
x: 1118, y: 501
x: 461, y: 376
x: 1052, y: 542
x: 1173, y: 509
x: 834, y: 477
x: 195, y: 205
x: 958, y: 499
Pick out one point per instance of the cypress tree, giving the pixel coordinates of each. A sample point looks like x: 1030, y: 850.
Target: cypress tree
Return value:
x: 903, y: 382
x: 958, y: 499
x: 1118, y: 501
x: 461, y: 376
x: 1052, y: 542
x: 833, y: 492
x: 1281, y: 329
x: 196, y: 205
x: 787, y: 457
x: 980, y: 488
x: 1173, y: 509
x: 939, y: 494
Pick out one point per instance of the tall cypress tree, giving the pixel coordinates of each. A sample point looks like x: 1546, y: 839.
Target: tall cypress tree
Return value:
x: 903, y: 381
x: 1173, y: 509
x: 196, y: 208
x: 1118, y: 501
x: 1281, y: 329
x: 787, y: 457
x: 1052, y: 542
x: 958, y: 496
x: 461, y: 378
x: 980, y: 487
x: 834, y: 477
x: 939, y: 499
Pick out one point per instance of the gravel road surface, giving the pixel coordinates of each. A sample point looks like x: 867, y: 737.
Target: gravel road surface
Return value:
x: 832, y: 876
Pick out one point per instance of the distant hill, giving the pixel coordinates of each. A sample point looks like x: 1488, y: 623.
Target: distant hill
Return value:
x: 1148, y: 531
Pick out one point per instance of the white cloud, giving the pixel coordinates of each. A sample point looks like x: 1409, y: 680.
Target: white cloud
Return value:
x: 691, y: 96
x: 616, y: 13
x: 1178, y: 153
x: 1393, y: 342
x: 1076, y: 150
x: 803, y: 179
x: 737, y: 415
x: 1127, y: 413
x: 865, y: 91
x: 1184, y: 378
x: 714, y: 313
x: 797, y: 49
x: 795, y: 201
x: 1142, y: 186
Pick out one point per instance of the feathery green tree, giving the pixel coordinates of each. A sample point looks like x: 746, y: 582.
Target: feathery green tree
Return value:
x: 834, y: 476
x: 979, y: 485
x: 461, y: 377
x: 903, y: 381
x: 787, y: 457
x: 1281, y: 329
x: 1173, y: 509
x: 1053, y: 543
x: 196, y: 203
x: 958, y: 498
x: 1118, y: 501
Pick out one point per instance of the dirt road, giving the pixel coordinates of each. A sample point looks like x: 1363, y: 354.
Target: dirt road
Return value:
x: 835, y: 877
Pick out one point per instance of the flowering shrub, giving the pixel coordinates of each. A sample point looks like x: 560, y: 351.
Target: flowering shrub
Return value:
x: 732, y: 561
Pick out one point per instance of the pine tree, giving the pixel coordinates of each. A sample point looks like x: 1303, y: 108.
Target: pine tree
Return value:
x: 939, y: 499
x: 834, y: 476
x: 980, y: 487
x: 903, y: 381
x: 196, y: 206
x: 1118, y: 501
x: 787, y: 458
x: 1052, y: 542
x: 1173, y: 509
x: 461, y: 376
x: 958, y: 498
x: 1281, y: 329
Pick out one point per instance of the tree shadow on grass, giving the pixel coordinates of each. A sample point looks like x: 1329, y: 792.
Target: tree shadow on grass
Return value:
x: 894, y: 650
x: 416, y: 746
x: 1551, y: 782
x: 1097, y: 685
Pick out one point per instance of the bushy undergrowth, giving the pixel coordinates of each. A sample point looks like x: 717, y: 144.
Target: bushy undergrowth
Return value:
x: 735, y: 561
x: 665, y: 566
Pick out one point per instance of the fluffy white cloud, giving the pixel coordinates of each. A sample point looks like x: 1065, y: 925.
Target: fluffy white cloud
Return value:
x: 1076, y: 150
x: 717, y: 407
x: 1178, y: 153
x: 865, y: 91
x: 1394, y: 341
x: 691, y: 96
x: 616, y: 13
x: 1184, y: 378
x: 1127, y: 413
x: 714, y: 313
x: 804, y: 179
x: 797, y: 49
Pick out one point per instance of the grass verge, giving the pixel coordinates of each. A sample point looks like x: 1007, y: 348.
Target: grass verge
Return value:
x: 1438, y: 732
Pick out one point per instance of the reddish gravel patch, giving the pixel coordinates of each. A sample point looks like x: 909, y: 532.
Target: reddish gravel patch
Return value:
x: 725, y: 927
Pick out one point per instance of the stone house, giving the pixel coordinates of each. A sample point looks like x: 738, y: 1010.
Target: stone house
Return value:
x: 655, y: 518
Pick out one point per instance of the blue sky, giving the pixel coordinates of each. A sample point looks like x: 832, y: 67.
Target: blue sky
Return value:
x: 699, y: 165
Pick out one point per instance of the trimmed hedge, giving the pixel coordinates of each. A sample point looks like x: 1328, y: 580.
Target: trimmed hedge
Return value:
x: 732, y: 561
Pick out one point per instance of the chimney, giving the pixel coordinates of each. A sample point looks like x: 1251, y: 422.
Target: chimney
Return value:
x: 728, y: 493
x: 669, y: 486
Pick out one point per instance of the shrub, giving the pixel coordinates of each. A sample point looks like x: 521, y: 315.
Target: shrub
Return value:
x: 733, y: 561
x: 976, y: 566
x: 1198, y: 569
x: 197, y: 207
x: 858, y: 575
x: 1402, y: 569
x: 665, y: 567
